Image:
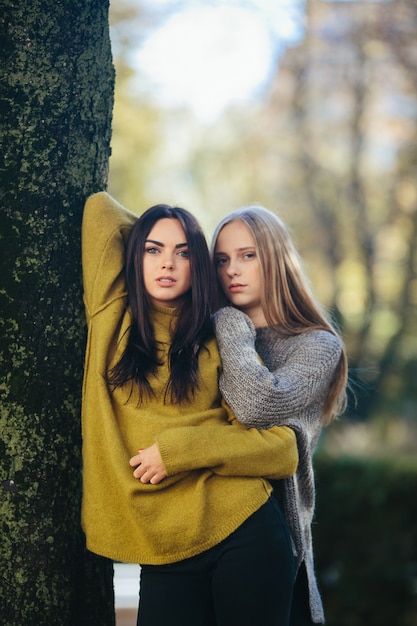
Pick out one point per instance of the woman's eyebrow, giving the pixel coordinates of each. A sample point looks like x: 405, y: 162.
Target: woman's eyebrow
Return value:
x: 159, y: 243
x: 238, y: 249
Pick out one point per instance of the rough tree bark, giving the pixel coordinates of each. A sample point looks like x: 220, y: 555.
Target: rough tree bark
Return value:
x: 56, y: 98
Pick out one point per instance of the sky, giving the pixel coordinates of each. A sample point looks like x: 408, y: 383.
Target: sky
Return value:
x: 209, y: 55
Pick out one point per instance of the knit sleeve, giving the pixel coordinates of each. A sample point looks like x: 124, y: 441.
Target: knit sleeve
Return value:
x: 105, y: 231
x: 230, y: 449
x: 262, y: 398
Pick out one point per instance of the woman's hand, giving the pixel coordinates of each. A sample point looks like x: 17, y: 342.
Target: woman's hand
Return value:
x: 149, y: 465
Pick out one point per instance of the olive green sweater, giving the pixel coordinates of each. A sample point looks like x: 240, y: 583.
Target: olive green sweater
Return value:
x: 215, y: 466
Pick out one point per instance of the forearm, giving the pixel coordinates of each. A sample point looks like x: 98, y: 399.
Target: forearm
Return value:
x: 230, y: 449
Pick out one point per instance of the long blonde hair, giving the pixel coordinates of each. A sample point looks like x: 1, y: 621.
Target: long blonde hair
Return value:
x: 288, y: 300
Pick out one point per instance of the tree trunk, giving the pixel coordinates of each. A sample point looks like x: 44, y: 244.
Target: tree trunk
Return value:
x: 56, y: 98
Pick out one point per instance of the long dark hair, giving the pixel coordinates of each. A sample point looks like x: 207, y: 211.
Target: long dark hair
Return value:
x: 140, y: 357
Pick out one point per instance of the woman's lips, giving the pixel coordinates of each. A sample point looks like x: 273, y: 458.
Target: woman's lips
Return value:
x: 236, y: 288
x: 166, y: 281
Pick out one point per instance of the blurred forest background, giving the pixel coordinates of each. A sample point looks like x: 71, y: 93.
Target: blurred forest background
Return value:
x: 330, y: 144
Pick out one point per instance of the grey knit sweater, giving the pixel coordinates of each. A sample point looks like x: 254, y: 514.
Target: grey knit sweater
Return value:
x: 287, y: 388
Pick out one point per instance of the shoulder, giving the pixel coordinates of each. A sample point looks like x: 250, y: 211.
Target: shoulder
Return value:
x: 317, y: 344
x: 320, y: 337
x: 319, y: 341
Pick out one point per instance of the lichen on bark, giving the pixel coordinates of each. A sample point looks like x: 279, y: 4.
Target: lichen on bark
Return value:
x: 56, y: 100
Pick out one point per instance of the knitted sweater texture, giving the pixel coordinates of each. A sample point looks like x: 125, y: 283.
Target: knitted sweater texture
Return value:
x: 286, y: 386
x: 215, y: 465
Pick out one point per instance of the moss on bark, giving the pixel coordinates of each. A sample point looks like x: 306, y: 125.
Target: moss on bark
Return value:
x: 56, y: 99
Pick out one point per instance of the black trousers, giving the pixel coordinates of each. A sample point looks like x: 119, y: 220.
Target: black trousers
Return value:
x: 300, y: 609
x: 247, y: 579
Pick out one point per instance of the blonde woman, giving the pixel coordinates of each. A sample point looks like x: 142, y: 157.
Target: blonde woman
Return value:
x: 283, y: 364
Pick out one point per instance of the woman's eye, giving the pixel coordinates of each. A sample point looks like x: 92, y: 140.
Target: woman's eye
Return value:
x: 220, y: 261
x: 184, y: 254
x: 249, y: 255
x: 152, y: 250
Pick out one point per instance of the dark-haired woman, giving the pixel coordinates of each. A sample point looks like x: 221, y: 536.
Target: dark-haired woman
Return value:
x: 171, y: 480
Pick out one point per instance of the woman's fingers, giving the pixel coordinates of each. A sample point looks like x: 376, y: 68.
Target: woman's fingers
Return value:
x: 148, y: 465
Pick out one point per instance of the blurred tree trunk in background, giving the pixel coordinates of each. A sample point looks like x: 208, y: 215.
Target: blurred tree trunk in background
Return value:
x: 56, y: 98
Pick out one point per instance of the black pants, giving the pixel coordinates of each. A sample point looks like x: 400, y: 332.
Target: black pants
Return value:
x: 246, y: 580
x: 300, y: 609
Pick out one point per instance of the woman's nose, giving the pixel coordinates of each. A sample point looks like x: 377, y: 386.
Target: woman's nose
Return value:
x: 167, y: 262
x: 232, y: 270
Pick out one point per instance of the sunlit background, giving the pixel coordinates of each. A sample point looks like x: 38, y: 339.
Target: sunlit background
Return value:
x: 309, y: 108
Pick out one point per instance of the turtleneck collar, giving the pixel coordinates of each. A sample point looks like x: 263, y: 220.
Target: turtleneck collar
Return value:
x: 164, y: 310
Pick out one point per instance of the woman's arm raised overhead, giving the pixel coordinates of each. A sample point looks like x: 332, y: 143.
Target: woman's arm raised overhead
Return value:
x: 105, y: 230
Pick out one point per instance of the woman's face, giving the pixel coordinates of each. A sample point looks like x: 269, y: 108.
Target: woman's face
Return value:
x: 166, y: 266
x: 238, y: 269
